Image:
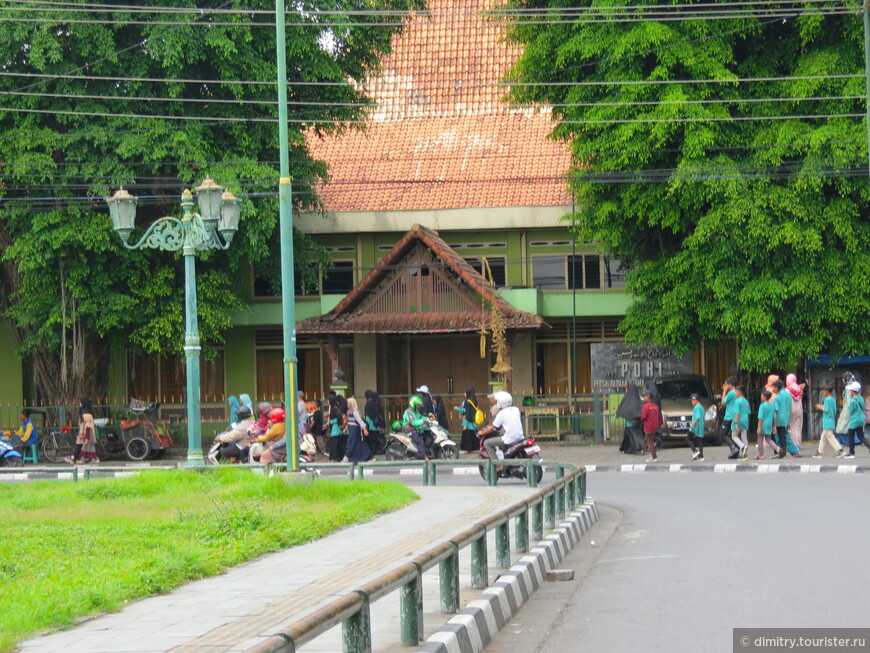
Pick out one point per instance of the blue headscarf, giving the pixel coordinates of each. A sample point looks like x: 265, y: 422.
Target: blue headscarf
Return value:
x: 246, y: 401
x: 234, y: 407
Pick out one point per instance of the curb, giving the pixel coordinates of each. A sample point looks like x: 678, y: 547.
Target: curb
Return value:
x: 474, y: 626
x: 726, y: 468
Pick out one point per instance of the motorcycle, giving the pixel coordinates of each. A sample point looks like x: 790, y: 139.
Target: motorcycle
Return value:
x: 9, y: 456
x: 401, y: 447
x: 522, y: 450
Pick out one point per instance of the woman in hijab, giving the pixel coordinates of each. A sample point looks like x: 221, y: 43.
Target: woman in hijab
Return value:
x: 85, y: 449
x: 469, y: 442
x: 374, y: 416
x: 233, y: 401
x: 796, y: 422
x: 356, y: 451
x: 337, y: 434
x: 246, y: 401
x: 440, y: 412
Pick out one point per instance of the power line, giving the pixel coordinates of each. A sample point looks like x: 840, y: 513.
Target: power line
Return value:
x: 656, y: 82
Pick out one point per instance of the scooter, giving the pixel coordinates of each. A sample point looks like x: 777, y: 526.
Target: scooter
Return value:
x: 9, y: 456
x: 522, y: 450
x: 401, y: 447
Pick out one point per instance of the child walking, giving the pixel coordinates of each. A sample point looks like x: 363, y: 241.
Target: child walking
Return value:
x: 829, y: 423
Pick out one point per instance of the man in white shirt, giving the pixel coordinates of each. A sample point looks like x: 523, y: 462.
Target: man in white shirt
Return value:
x: 507, y: 418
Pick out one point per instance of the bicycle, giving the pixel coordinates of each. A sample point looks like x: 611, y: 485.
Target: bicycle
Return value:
x: 57, y: 444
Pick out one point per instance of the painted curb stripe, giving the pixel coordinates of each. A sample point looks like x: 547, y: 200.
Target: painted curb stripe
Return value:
x: 473, y: 627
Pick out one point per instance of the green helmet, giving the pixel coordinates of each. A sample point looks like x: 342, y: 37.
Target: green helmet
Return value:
x: 397, y: 425
x: 415, y: 402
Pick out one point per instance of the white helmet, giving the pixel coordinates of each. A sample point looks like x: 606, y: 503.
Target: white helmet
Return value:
x: 503, y: 399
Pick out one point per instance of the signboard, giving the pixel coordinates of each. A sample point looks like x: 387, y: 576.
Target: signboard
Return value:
x: 615, y: 364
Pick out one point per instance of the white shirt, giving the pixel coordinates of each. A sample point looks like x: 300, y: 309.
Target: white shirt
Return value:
x: 509, y: 419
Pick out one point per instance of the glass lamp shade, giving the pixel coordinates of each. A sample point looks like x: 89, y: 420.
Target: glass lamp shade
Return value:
x: 208, y: 194
x: 231, y: 209
x: 122, y: 208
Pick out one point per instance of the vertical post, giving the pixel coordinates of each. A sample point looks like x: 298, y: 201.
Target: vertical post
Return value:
x: 411, y: 610
x: 502, y: 546
x: 285, y: 213
x: 597, y: 414
x: 425, y: 473
x: 191, y: 343
x: 479, y: 563
x: 448, y: 579
x: 550, y: 510
x: 521, y: 531
x: 583, y: 487
x: 432, y: 471
x: 867, y: 67
x: 356, y: 631
x: 538, y: 521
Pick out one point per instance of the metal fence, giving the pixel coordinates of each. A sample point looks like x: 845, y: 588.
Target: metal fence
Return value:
x: 353, y: 610
x: 546, y: 416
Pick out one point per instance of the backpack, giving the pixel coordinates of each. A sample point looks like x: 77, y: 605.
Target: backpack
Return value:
x: 479, y: 417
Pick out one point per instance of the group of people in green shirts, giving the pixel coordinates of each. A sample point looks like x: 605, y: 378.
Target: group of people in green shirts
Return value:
x: 774, y: 415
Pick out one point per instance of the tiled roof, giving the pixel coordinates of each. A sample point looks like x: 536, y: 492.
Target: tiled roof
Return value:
x: 347, y: 318
x: 441, y: 136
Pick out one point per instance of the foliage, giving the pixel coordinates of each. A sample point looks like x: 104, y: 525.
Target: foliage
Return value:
x: 754, y: 230
x: 91, y: 547
x: 96, y: 99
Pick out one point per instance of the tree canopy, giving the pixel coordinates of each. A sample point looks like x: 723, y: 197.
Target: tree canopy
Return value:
x: 722, y: 157
x: 155, y: 98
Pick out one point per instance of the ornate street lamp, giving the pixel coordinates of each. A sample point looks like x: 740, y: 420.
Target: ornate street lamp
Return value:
x: 219, y: 213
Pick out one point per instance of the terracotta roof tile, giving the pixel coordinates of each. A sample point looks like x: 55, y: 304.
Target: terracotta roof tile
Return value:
x: 441, y: 135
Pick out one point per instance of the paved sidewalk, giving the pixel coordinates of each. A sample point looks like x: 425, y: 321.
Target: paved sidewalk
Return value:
x: 233, y: 611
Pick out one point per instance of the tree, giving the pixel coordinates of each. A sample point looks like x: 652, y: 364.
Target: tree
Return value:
x: 155, y: 99
x: 735, y: 217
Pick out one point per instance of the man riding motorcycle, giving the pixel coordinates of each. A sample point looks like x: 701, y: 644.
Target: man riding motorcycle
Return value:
x: 235, y: 441
x: 507, y: 418
x: 277, y: 431
x: 412, y: 422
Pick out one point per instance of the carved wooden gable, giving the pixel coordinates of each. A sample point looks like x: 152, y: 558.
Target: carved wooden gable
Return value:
x: 420, y: 283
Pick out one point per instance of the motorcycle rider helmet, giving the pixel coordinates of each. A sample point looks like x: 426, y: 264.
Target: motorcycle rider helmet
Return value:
x: 277, y: 415
x: 415, y: 402
x: 503, y: 399
x: 243, y: 412
x: 396, y: 425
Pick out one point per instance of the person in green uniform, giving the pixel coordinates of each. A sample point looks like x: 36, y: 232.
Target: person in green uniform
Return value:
x: 766, y: 414
x: 696, y: 429
x: 829, y: 424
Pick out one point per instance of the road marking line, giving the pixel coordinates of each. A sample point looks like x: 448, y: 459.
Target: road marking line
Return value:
x: 661, y: 557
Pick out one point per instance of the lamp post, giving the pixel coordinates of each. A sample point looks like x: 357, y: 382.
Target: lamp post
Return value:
x: 219, y: 212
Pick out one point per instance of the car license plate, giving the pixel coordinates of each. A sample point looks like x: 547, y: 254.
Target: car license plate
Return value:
x: 533, y: 449
x: 680, y: 425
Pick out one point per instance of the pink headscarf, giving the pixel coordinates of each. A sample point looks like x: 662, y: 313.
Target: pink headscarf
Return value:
x: 791, y: 383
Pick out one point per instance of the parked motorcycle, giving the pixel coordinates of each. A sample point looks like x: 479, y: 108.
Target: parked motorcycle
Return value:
x: 9, y: 457
x: 522, y: 450
x: 401, y: 447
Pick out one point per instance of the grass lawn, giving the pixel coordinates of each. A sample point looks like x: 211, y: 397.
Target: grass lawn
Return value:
x: 75, y: 549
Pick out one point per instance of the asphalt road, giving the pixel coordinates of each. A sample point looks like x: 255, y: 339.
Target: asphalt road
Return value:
x: 680, y: 559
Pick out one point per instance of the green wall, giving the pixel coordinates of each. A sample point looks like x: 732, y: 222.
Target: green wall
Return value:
x: 11, y: 376
x: 240, y: 361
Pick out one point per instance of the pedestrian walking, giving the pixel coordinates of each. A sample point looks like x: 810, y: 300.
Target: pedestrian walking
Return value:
x: 85, y: 449
x: 336, y: 425
x: 651, y: 421
x: 439, y: 410
x: 356, y: 450
x: 829, y: 422
x: 857, y: 418
x: 729, y: 398
x: 796, y: 421
x: 376, y: 421
x: 766, y: 415
x: 695, y: 437
x: 740, y: 423
x: 315, y: 427
x: 468, y: 408
x: 842, y: 430
x: 301, y: 414
x: 782, y: 409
